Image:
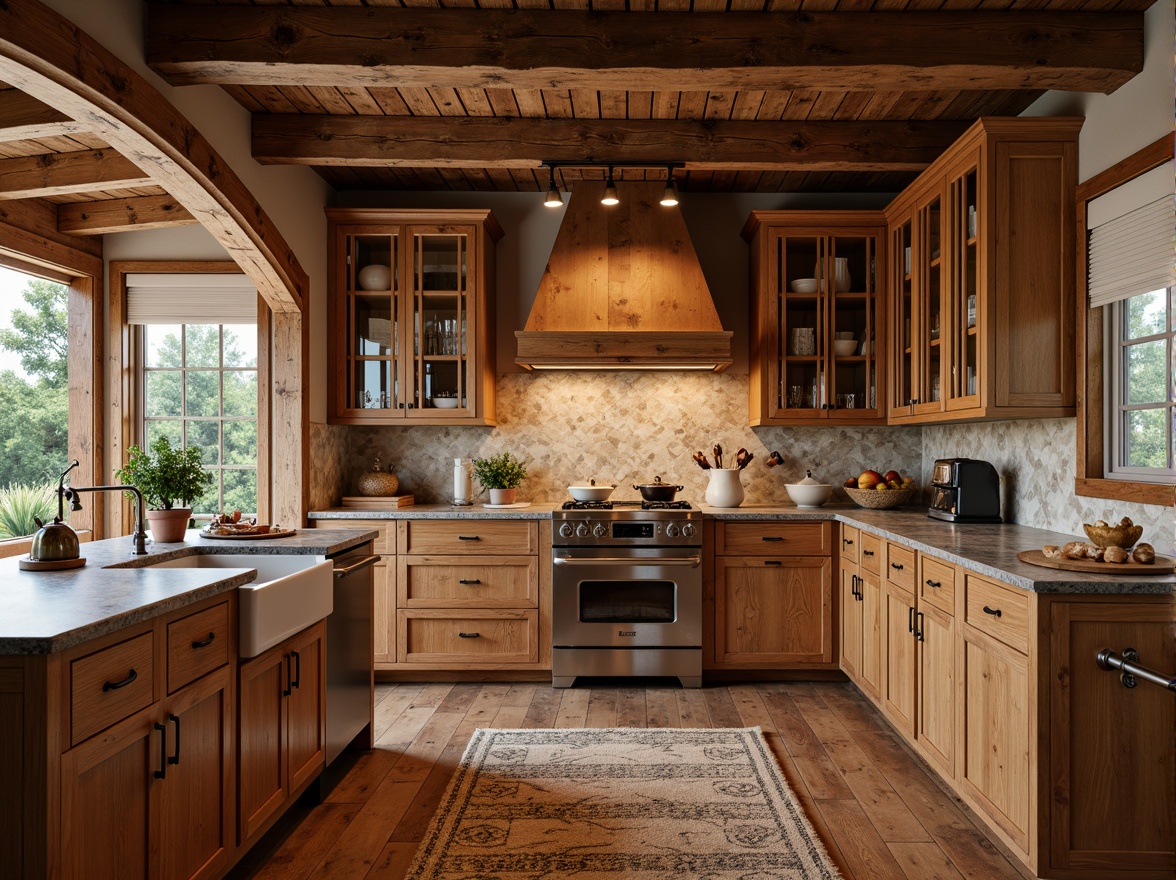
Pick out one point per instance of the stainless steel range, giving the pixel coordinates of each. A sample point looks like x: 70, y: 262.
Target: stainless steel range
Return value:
x: 626, y: 591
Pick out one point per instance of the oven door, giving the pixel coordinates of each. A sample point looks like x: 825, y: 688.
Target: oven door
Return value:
x: 626, y: 597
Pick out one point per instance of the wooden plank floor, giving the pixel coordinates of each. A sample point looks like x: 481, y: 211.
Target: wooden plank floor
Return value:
x: 873, y: 802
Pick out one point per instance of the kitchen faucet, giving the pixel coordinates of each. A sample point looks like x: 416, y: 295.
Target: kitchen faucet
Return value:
x: 75, y: 503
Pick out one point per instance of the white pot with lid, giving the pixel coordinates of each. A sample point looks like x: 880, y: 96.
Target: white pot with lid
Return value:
x: 808, y: 492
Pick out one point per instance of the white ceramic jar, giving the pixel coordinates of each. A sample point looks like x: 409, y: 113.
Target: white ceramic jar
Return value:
x: 724, y: 488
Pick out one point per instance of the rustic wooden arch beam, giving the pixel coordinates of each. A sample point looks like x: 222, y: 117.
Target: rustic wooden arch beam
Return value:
x: 48, y: 57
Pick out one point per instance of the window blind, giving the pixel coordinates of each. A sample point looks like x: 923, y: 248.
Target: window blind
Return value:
x: 172, y: 298
x: 1130, y: 234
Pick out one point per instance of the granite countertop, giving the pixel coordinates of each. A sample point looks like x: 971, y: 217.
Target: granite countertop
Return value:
x: 990, y: 550
x: 46, y: 611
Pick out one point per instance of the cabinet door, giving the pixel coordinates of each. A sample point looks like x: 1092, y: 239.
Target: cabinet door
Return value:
x: 305, y: 715
x: 995, y: 768
x: 261, y: 749
x: 871, y: 604
x: 898, y: 673
x: 965, y: 301
x: 384, y: 612
x: 1111, y: 745
x: 937, y: 687
x: 195, y: 830
x: 856, y: 262
x: 107, y: 794
x: 774, y: 611
x: 904, y: 317
x: 851, y: 623
x: 930, y: 278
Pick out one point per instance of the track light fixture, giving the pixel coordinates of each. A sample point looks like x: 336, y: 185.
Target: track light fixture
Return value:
x: 610, y: 191
x: 554, y: 199
x: 670, y: 196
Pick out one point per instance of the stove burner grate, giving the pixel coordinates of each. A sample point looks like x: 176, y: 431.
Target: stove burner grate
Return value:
x: 610, y: 505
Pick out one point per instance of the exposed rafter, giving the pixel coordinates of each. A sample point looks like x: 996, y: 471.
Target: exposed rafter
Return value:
x: 479, y: 142
x: 23, y: 117
x: 55, y: 174
x: 558, y: 49
x: 121, y: 215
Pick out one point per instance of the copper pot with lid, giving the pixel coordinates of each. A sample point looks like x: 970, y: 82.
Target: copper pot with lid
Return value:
x: 657, y: 490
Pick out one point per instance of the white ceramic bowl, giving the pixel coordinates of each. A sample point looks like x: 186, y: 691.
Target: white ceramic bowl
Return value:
x: 809, y: 494
x: 804, y: 285
x: 844, y: 347
x: 590, y: 493
x: 375, y: 277
x: 444, y: 402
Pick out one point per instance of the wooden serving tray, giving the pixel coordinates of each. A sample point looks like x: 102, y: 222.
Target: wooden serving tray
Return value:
x: 1162, y: 565
x: 282, y: 533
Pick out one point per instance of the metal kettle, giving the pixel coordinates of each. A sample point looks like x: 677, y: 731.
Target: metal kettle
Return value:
x: 56, y: 541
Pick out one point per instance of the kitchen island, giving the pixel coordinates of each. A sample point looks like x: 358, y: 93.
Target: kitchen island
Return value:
x: 122, y: 740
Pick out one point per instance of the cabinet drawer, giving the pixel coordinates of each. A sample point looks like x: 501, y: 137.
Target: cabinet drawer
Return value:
x: 197, y: 644
x: 108, y: 685
x: 1001, y: 612
x: 937, y: 584
x: 495, y: 637
x: 851, y: 542
x: 468, y: 582
x: 871, y: 553
x: 900, y: 567
x: 774, y: 538
x: 384, y: 544
x: 471, y: 536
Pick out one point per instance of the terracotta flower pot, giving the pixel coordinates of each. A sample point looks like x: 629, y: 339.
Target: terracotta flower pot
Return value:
x: 168, y: 526
x: 503, y: 496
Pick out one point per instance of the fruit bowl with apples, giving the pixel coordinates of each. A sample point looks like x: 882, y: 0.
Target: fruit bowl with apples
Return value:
x: 876, y: 490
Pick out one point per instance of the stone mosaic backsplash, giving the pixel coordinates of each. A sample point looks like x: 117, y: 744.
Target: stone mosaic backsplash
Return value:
x: 627, y: 428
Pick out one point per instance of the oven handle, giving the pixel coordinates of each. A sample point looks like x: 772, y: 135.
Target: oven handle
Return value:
x: 688, y: 561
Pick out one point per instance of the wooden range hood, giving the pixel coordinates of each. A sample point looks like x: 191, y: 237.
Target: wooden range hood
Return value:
x: 623, y: 290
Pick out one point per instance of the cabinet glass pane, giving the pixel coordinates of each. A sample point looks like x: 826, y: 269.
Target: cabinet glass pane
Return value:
x: 964, y: 230
x: 441, y: 321
x: 932, y: 301
x: 372, y: 322
x: 853, y: 302
x: 800, y: 322
x: 375, y: 385
x: 903, y: 256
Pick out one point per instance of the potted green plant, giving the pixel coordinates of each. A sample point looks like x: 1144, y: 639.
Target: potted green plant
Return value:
x: 501, y: 474
x: 167, y: 476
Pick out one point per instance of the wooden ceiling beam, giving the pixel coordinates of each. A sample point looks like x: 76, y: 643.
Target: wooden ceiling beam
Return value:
x: 55, y: 174
x: 704, y: 51
x: 24, y: 118
x: 45, y: 55
x: 122, y: 215
x: 455, y: 142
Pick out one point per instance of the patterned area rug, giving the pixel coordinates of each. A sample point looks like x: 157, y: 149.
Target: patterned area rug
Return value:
x: 635, y: 803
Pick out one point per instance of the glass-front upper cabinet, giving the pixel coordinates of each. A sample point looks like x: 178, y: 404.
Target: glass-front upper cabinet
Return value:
x: 816, y: 317
x: 930, y: 278
x: 963, y: 289
x: 411, y: 336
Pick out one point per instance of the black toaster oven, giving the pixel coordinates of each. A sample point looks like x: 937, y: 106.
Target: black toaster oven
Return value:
x: 965, y: 490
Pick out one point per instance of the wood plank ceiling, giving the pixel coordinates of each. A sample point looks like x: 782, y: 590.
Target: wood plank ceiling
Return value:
x: 751, y: 95
x: 748, y: 95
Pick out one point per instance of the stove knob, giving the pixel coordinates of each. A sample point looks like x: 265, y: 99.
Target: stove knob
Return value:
x: 671, y: 531
x: 687, y: 531
x: 599, y: 530
x: 582, y: 530
x: 565, y: 531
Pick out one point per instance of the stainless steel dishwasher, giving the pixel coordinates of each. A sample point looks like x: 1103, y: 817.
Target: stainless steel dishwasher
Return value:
x: 349, y: 652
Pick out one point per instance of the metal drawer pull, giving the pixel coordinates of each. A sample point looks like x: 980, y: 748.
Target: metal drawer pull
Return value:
x: 867, y: 553
x: 690, y: 561
x: 773, y: 562
x: 354, y: 567
x: 773, y: 538
x: 935, y: 585
x: 115, y: 685
x: 919, y: 627
x: 204, y: 643
x: 910, y: 620
x: 297, y: 670
x: 468, y: 581
x: 175, y: 759
x: 161, y: 773
x: 286, y: 691
x: 897, y: 566
x: 1107, y: 660
x: 469, y: 537
x: 847, y: 541
x: 462, y: 635
x: 995, y: 612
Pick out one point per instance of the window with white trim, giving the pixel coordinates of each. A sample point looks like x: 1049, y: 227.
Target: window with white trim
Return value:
x: 199, y: 376
x: 1130, y: 234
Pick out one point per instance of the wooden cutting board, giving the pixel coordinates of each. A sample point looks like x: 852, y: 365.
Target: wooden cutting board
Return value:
x: 1162, y: 566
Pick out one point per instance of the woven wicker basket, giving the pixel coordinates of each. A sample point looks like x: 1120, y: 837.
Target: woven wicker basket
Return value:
x: 875, y: 500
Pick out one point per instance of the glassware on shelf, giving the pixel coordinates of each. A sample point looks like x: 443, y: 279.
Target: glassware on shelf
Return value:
x: 971, y: 310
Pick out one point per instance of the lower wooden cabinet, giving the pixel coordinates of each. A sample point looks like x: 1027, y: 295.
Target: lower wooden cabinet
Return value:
x: 772, y: 590
x: 483, y: 637
x: 936, y: 703
x: 899, y: 664
x: 282, y: 728
x: 861, y: 597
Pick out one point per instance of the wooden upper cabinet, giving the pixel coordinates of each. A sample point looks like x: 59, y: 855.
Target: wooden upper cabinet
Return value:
x: 816, y: 280
x: 981, y: 286
x: 411, y: 309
